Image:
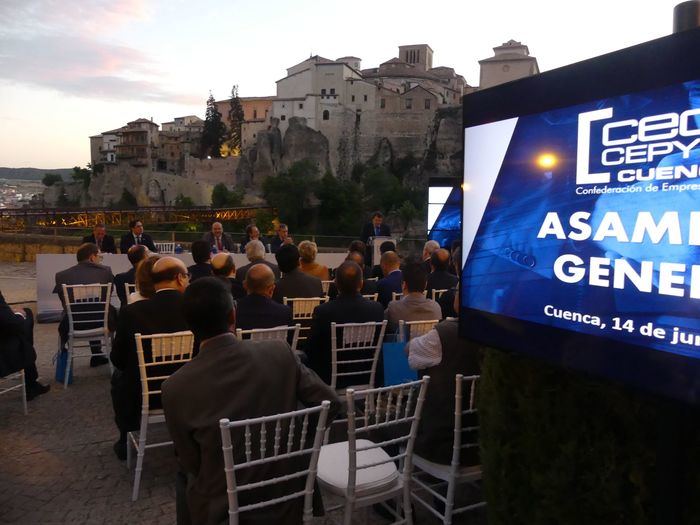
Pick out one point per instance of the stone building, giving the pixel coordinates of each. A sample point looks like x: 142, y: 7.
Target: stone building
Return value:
x: 256, y: 116
x: 511, y: 61
x: 103, y: 147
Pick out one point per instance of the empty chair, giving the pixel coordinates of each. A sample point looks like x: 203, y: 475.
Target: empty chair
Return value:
x: 359, y: 469
x: 465, y: 437
x: 164, y: 354
x: 165, y: 247
x: 16, y: 380
x: 354, y: 353
x: 438, y: 293
x: 284, y: 333
x: 371, y: 296
x: 410, y: 329
x: 87, y: 310
x: 288, y: 445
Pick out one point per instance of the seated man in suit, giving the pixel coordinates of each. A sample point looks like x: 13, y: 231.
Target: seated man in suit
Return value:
x: 376, y: 270
x: 368, y: 287
x: 135, y: 255
x: 17, y: 347
x: 255, y: 251
x: 447, y: 299
x: 223, y: 267
x: 392, y: 280
x: 257, y: 309
x: 136, y: 236
x: 282, y: 238
x: 348, y: 307
x: 413, y: 306
x: 294, y: 282
x: 233, y: 379
x: 428, y: 249
x: 440, y: 278
x: 200, y: 256
x: 442, y: 354
x: 252, y: 233
x: 105, y: 243
x: 87, y: 271
x: 160, y: 314
x: 217, y: 239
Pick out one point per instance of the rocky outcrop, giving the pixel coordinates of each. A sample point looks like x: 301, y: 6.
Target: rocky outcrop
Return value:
x: 444, y: 154
x: 303, y: 143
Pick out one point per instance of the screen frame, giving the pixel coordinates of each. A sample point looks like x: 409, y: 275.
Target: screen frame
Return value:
x: 654, y: 64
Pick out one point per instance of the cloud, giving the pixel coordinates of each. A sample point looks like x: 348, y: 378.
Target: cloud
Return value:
x: 84, y: 66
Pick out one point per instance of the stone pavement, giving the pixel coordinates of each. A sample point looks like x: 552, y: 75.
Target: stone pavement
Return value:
x: 57, y: 464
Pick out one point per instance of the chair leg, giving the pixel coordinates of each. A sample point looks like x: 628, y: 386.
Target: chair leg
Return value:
x: 139, y: 461
x: 69, y: 360
x: 347, y: 512
x: 407, y: 509
x: 450, y: 503
x: 24, y: 392
x: 129, y: 448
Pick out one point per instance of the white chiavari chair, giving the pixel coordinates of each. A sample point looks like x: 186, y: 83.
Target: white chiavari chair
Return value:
x: 278, y: 333
x: 410, y: 329
x: 165, y: 247
x: 16, y: 382
x: 436, y: 294
x: 355, y: 351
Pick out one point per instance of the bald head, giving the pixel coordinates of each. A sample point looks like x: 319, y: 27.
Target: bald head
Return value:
x: 169, y: 272
x: 260, y: 280
x: 222, y: 265
x: 389, y: 262
x: 440, y: 260
x: 348, y: 278
x: 357, y: 258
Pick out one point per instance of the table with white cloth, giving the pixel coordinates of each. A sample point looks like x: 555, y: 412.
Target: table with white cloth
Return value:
x: 47, y: 265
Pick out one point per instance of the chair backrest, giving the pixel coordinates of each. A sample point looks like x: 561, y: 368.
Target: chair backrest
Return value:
x: 283, y: 446
x: 87, y: 306
x: 174, y: 350
x: 281, y: 333
x: 130, y: 288
x: 465, y: 414
x: 397, y: 296
x: 371, y: 296
x: 438, y: 293
x: 355, y: 352
x: 410, y: 329
x: 303, y: 307
x: 397, y: 408
x: 325, y: 285
x: 165, y: 247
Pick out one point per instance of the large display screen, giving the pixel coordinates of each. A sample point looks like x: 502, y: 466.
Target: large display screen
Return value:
x: 444, y: 210
x: 582, y: 218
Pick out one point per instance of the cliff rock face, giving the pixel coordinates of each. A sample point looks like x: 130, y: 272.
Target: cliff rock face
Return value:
x: 303, y: 143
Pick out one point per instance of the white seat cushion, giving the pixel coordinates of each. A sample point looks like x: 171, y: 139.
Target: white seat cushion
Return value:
x: 333, y: 464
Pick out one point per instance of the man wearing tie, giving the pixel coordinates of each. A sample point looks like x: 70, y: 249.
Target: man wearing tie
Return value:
x: 105, y: 243
x: 376, y: 228
x: 136, y: 236
x: 217, y: 238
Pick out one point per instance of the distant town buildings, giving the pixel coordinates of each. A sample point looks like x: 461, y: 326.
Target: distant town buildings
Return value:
x: 511, y: 61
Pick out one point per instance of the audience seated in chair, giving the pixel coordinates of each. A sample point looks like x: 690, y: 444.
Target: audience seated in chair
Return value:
x: 135, y: 254
x: 348, y: 307
x: 255, y: 251
x: 429, y: 248
x: 294, y: 282
x: 144, y: 282
x: 447, y: 299
x: 361, y: 248
x: 376, y: 272
x: 307, y: 253
x: 442, y: 354
x: 87, y: 271
x: 223, y: 267
x: 161, y: 314
x: 257, y: 309
x: 440, y: 278
x: 17, y: 347
x: 413, y: 306
x: 368, y: 287
x: 234, y: 379
x: 391, y: 282
x: 200, y: 256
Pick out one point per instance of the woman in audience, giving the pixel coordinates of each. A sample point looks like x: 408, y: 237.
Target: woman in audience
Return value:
x: 201, y: 257
x: 144, y: 284
x: 307, y: 254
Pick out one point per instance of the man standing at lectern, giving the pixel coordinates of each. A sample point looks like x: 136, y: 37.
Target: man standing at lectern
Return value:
x: 376, y: 228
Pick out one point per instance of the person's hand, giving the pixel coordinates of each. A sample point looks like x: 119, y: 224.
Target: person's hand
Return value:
x: 288, y: 240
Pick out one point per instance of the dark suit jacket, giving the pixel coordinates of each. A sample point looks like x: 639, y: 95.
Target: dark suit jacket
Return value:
x: 236, y: 380
x: 83, y: 273
x: 368, y: 287
x: 16, y: 350
x: 297, y: 284
x: 345, y: 309
x: 127, y: 241
x: 226, y: 240
x: 245, y: 240
x: 390, y: 283
x: 108, y: 245
x: 237, y: 290
x: 199, y: 270
x: 368, y: 231
x: 258, y: 311
x: 440, y: 280
x: 161, y: 314
x: 243, y: 270
x: 120, y: 280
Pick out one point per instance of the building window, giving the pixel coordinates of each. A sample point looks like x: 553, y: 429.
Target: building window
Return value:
x: 382, y: 103
x: 301, y: 105
x: 418, y: 55
x: 332, y: 91
x: 255, y: 113
x: 365, y: 98
x: 409, y: 103
x: 352, y: 98
x: 326, y: 114
x: 283, y: 117
x: 323, y: 91
x: 427, y: 103
x: 283, y: 105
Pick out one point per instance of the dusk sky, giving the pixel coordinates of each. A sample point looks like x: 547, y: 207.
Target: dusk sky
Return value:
x: 74, y: 68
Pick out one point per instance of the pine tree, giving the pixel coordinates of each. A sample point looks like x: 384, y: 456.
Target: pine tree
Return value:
x: 235, y: 118
x: 214, y: 131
